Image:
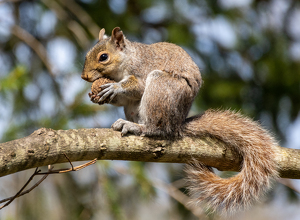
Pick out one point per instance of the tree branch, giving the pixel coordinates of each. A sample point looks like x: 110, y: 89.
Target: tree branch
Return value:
x: 47, y: 146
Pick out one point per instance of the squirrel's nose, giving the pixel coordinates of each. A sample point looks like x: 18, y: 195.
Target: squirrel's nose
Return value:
x: 84, y: 76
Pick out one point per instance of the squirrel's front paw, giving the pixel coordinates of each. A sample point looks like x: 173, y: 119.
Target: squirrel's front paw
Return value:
x: 109, y: 90
x: 94, y: 98
x: 127, y: 127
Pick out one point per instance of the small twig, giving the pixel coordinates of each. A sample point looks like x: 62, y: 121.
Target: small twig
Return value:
x: 70, y: 161
x: 27, y: 191
x: 38, y: 172
x: 70, y: 169
x: 18, y: 193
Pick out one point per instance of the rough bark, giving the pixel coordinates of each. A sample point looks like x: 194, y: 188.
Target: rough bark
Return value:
x: 47, y: 146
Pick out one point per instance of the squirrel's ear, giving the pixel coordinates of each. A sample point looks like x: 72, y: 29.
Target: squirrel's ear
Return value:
x: 117, y: 38
x: 101, y: 34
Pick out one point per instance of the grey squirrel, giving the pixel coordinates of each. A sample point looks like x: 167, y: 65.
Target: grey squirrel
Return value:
x: 157, y: 84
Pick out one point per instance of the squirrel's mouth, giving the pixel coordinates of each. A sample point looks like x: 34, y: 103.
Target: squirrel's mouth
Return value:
x: 91, y: 76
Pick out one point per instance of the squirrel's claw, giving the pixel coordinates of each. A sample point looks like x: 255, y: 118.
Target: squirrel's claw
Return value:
x: 109, y: 89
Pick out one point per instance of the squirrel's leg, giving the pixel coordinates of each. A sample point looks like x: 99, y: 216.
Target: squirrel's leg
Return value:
x: 164, y: 106
x: 131, y: 124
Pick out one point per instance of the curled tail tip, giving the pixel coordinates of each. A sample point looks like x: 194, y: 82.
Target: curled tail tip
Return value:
x: 223, y: 196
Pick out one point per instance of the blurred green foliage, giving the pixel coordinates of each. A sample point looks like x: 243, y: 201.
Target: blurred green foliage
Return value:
x: 248, y: 53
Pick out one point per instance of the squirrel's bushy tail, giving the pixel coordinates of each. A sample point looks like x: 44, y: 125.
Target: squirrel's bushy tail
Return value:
x: 251, y: 141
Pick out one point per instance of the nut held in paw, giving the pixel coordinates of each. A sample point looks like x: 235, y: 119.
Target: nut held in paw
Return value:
x: 96, y: 89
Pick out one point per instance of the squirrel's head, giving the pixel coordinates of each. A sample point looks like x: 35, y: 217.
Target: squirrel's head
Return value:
x: 105, y: 58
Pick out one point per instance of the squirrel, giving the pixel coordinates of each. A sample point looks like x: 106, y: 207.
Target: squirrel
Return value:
x: 156, y: 84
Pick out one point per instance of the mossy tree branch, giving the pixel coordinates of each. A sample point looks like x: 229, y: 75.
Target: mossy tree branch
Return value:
x: 47, y: 146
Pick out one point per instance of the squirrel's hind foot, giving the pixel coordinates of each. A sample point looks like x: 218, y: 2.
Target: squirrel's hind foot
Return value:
x: 127, y: 127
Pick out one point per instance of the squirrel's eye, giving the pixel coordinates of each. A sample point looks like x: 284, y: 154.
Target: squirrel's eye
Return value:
x: 103, y: 57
